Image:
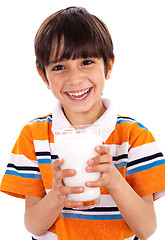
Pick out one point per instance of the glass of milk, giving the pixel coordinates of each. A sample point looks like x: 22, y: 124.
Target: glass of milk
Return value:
x: 76, y: 145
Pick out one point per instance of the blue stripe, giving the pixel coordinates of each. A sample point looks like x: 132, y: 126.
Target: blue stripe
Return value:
x: 49, y: 118
x: 124, y: 120
x: 145, y: 167
x: 23, y: 175
x: 44, y: 160
x: 119, y: 165
x: 131, y: 121
x: 140, y: 125
x: 92, y: 217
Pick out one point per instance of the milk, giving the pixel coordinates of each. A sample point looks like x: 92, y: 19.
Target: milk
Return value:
x: 76, y: 147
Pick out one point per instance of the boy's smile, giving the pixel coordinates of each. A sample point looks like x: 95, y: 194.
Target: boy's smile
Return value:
x: 78, y: 85
x: 79, y: 95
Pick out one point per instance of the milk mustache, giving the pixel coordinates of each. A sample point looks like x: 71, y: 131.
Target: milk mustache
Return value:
x: 76, y: 147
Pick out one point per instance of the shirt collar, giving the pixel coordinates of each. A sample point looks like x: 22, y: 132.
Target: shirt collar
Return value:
x: 107, y: 121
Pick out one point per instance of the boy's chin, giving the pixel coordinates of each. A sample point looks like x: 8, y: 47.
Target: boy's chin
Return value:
x: 78, y: 108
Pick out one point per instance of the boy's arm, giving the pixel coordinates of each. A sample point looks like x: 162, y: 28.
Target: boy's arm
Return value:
x: 138, y: 212
x: 41, y: 213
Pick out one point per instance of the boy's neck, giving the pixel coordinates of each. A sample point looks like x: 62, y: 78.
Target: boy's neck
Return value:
x: 83, y: 118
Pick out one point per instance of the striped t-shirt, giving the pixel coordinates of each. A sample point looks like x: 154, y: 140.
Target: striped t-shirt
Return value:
x: 135, y: 154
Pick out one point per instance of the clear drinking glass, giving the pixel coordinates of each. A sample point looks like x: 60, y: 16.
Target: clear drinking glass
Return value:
x: 76, y: 145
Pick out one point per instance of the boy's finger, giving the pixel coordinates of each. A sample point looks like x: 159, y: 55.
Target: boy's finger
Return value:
x: 103, y: 149
x: 94, y: 184
x: 98, y: 168
x: 56, y: 163
x: 61, y: 174
x: 106, y: 158
x: 64, y: 190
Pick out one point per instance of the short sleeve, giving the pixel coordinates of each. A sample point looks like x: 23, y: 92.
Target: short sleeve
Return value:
x: 22, y: 176
x: 146, y: 165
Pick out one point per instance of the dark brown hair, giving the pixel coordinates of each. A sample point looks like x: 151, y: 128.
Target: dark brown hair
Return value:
x: 82, y: 34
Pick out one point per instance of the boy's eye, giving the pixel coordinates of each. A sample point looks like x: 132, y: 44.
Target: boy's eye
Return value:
x: 58, y: 68
x: 87, y: 62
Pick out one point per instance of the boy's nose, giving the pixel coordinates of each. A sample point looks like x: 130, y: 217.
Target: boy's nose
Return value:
x: 75, y: 76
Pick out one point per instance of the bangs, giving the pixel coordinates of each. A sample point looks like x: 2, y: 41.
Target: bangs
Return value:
x: 75, y: 41
x: 70, y: 34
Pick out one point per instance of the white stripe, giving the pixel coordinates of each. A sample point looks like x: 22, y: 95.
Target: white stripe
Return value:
x: 44, y: 146
x: 43, y: 157
x: 90, y: 213
x: 41, y: 146
x: 131, y: 238
x: 125, y: 119
x: 53, y: 149
x: 143, y: 151
x: 158, y: 194
x: 107, y: 201
x: 24, y: 171
x: 47, y: 236
x: 47, y: 190
x: 117, y: 150
x: 21, y: 160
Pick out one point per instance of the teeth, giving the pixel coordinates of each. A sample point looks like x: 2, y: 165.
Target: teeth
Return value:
x: 78, y: 93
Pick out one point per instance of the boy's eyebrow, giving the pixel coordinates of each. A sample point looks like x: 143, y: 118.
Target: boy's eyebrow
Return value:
x: 56, y: 61
x: 53, y: 62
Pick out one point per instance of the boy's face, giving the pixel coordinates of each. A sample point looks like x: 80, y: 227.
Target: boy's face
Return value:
x: 78, y: 83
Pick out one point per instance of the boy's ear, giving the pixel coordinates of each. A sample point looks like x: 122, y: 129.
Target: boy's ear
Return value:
x: 110, y: 66
x: 43, y: 78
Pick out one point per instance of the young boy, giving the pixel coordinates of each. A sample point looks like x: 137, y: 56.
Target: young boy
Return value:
x: 74, y: 57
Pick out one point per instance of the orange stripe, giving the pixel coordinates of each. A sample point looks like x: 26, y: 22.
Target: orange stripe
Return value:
x: 41, y: 130
x: 22, y: 186
x: 153, y: 178
x: 47, y: 175
x: 24, y: 144
x: 88, y: 229
x: 129, y: 132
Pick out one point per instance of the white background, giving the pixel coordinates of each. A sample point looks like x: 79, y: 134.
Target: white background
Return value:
x: 136, y: 85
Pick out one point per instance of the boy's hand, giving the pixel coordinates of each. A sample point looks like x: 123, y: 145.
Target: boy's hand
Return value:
x: 60, y: 189
x: 103, y: 163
